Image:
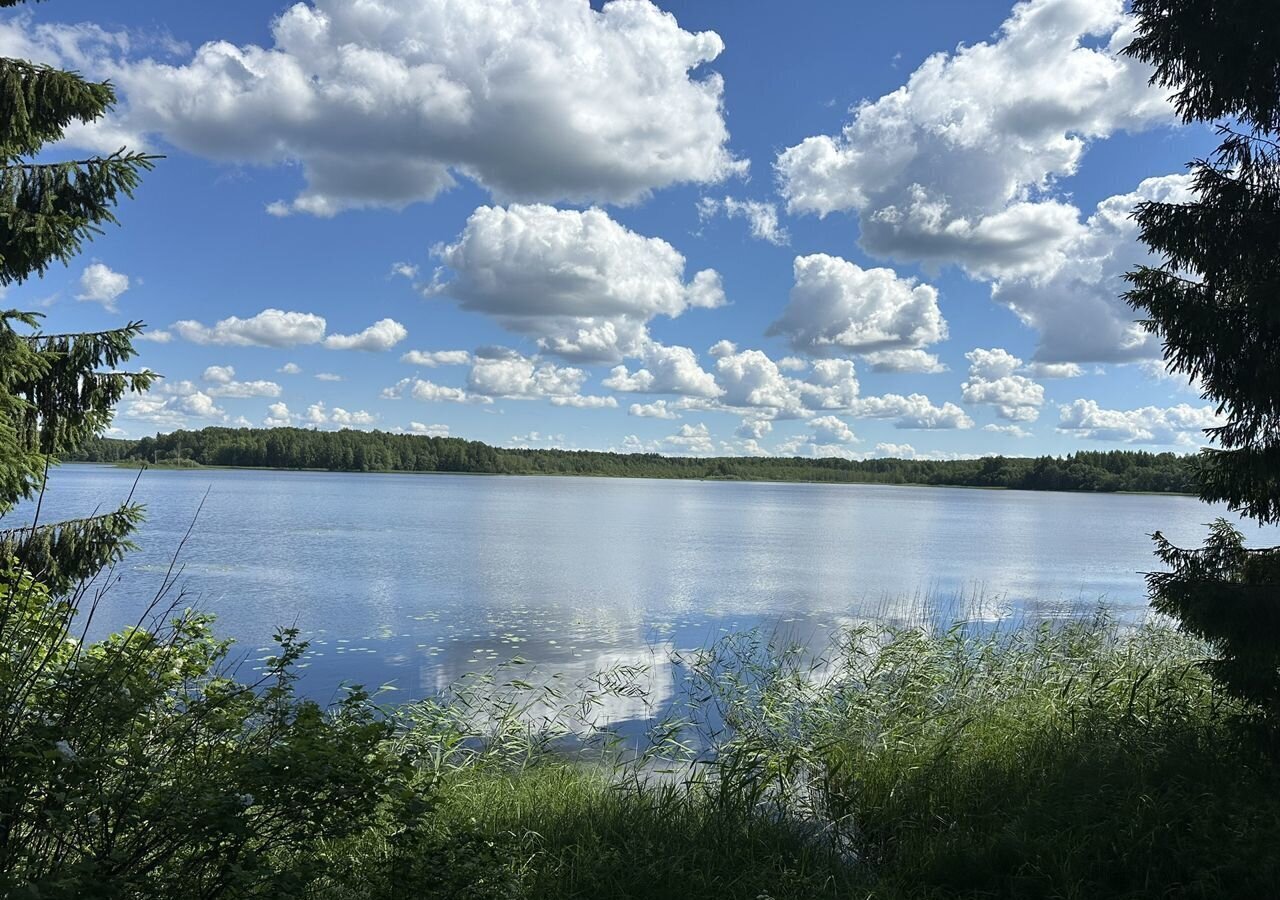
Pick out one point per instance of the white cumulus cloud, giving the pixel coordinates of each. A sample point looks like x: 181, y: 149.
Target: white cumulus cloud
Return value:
x: 912, y: 411
x: 385, y: 104
x: 838, y: 307
x: 1182, y: 424
x: 378, y: 337
x: 429, y: 430
x: 953, y: 165
x: 269, y: 328
x: 1074, y: 301
x: 992, y: 382
x: 278, y: 416
x: 665, y: 370
x: 320, y: 415
x: 831, y: 430
x: 658, y: 409
x: 433, y: 358
x: 582, y: 285
x: 99, y: 284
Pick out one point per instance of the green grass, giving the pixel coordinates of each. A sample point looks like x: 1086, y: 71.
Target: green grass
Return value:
x: 1073, y: 762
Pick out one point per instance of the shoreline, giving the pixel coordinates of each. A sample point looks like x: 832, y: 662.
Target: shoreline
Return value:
x: 131, y: 465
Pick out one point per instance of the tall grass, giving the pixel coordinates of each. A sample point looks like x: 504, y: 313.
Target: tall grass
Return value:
x: 1072, y: 761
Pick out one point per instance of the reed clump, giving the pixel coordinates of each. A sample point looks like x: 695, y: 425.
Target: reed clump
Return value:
x: 1067, y: 760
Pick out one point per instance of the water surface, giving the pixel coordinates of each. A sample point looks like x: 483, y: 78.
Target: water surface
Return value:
x: 417, y: 579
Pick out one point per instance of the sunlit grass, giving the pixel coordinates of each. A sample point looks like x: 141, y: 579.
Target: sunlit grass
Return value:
x: 1071, y: 761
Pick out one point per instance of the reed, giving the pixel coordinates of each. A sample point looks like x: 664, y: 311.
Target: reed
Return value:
x: 1069, y: 760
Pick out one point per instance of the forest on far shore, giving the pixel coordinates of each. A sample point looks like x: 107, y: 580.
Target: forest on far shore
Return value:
x: 380, y: 451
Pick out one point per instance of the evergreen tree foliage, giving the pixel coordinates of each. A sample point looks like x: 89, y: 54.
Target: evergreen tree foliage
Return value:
x: 56, y: 390
x: 1215, y: 304
x: 49, y: 208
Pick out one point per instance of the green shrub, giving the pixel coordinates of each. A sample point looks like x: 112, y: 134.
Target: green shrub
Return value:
x: 134, y: 767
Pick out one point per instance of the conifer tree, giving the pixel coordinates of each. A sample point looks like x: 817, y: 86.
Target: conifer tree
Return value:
x: 56, y: 390
x: 1215, y: 304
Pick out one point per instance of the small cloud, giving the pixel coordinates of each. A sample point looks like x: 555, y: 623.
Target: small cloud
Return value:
x: 278, y: 416
x: 381, y: 335
x: 219, y: 374
x: 433, y: 358
x: 1015, y: 431
x: 98, y: 284
x: 428, y: 430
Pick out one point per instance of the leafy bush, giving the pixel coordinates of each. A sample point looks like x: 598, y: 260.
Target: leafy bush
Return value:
x: 136, y: 767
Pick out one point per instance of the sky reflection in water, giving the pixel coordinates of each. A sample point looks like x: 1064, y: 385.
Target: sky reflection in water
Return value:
x: 415, y: 580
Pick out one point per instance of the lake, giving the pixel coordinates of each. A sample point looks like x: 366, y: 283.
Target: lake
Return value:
x: 417, y: 579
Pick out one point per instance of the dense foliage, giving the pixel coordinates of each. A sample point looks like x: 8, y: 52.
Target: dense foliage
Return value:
x: 137, y: 766
x: 56, y: 390
x: 49, y: 208
x: 1214, y: 301
x: 378, y: 451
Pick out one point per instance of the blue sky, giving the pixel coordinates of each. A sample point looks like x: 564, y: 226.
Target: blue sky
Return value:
x: 691, y: 227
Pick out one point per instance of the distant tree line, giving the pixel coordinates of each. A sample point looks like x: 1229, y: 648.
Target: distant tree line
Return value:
x: 379, y: 451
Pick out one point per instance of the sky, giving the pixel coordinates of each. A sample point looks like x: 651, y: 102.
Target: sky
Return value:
x: 701, y: 227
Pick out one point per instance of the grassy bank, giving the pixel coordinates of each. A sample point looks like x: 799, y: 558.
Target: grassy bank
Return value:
x: 1076, y: 761
x: 1080, y: 762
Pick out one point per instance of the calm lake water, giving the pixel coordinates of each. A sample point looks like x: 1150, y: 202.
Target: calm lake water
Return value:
x: 417, y: 579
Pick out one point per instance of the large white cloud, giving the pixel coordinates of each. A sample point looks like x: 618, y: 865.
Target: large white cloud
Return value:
x: 581, y: 401
x: 430, y: 392
x: 518, y: 377
x: 428, y: 429
x: 174, y: 404
x: 691, y: 440
x: 499, y: 373
x: 665, y: 370
x: 581, y: 284
x: 953, y: 165
x: 839, y: 307
x: 383, y: 103
x: 755, y: 385
x: 912, y: 411
x: 278, y: 416
x: 223, y: 379
x: 750, y: 379
x: 281, y: 328
x: 1075, y: 301
x: 992, y: 382
x: 269, y: 328
x: 1182, y: 424
x: 831, y: 430
x: 321, y: 416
